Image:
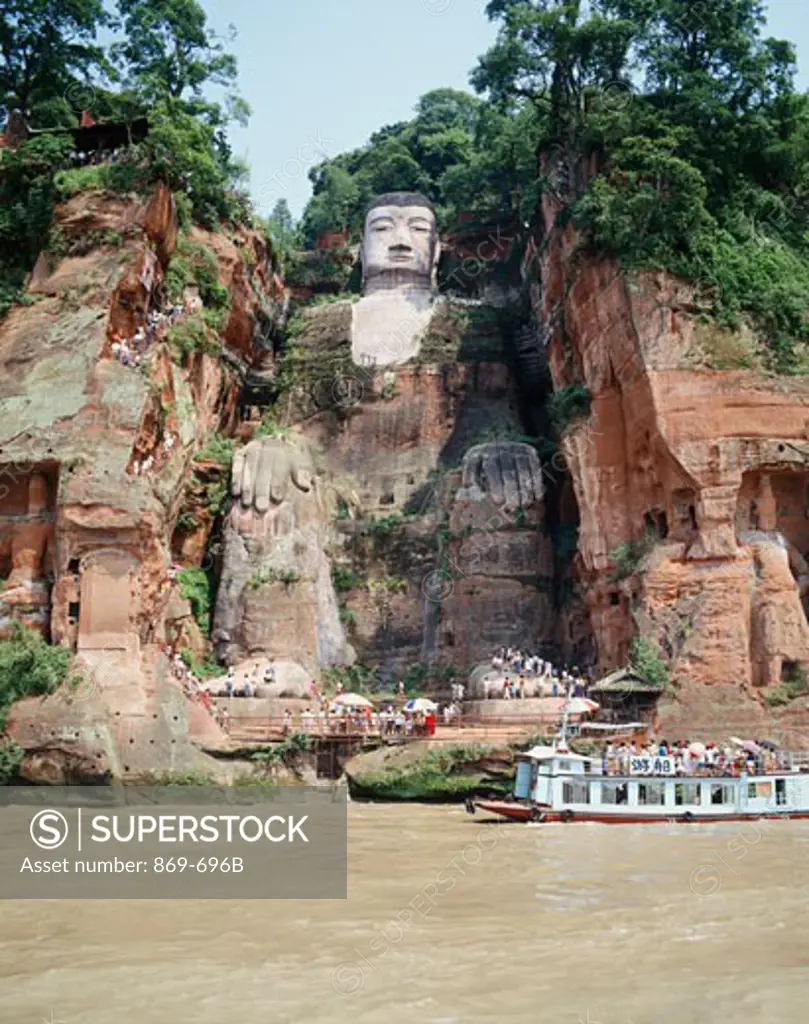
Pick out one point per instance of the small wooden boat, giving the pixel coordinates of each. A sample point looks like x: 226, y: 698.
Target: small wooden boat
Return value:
x: 554, y: 784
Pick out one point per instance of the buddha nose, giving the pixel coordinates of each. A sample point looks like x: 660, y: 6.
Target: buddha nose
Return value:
x: 401, y: 239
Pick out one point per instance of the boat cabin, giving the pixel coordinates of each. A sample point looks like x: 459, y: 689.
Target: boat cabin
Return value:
x: 572, y: 785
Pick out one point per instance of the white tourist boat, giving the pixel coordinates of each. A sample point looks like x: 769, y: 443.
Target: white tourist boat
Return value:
x: 553, y: 784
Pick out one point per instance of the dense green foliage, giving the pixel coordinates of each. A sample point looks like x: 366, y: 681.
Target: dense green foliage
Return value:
x: 648, y: 662
x: 49, y: 47
x: 29, y: 667
x: 460, y: 152
x: 451, y: 773
x: 27, y: 195
x: 192, y: 334
x: 195, y: 587
x: 200, y: 669
x: 702, y: 170
x: 11, y: 754
x: 161, y: 62
x: 216, y: 448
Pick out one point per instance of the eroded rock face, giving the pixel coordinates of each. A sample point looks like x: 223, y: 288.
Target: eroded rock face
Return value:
x: 276, y: 596
x: 27, y: 548
x: 85, y: 530
x: 710, y: 464
x: 496, y: 571
x: 392, y: 449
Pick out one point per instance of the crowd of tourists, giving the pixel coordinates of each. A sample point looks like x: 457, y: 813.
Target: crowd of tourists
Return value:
x: 250, y: 682
x: 98, y: 158
x: 694, y: 758
x: 518, y: 666
x: 135, y: 351
x: 193, y: 690
x: 146, y: 464
x: 389, y: 721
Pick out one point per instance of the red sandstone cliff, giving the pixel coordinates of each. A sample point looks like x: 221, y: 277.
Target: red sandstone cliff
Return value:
x: 96, y: 458
x: 712, y: 464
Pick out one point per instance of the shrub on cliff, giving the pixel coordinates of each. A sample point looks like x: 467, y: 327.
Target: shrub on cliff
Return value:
x: 29, y: 667
x: 797, y: 685
x: 195, y: 587
x: 194, y: 334
x: 195, y: 264
x: 11, y: 754
x: 648, y: 662
x: 568, y: 404
x: 217, y: 449
x: 628, y: 557
x: 451, y: 773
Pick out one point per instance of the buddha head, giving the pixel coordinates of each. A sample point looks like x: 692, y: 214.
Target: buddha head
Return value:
x: 400, y: 243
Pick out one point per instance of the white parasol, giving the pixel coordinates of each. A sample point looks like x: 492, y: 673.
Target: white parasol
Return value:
x: 420, y: 704
x: 352, y: 700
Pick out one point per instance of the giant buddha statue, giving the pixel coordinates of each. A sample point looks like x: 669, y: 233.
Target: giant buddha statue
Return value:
x: 399, y: 254
x: 276, y: 597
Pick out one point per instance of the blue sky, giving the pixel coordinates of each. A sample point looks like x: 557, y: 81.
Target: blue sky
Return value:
x: 321, y: 75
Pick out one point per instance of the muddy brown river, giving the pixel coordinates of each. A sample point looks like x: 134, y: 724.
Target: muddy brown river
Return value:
x: 449, y: 920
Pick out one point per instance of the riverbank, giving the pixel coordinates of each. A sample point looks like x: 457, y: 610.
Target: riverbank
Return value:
x: 424, y: 772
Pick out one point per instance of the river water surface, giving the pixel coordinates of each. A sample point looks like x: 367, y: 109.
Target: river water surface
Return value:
x: 449, y: 920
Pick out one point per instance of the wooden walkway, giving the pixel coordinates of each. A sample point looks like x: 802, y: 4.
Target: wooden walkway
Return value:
x: 260, y: 731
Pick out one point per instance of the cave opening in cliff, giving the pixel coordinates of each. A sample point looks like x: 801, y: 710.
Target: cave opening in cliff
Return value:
x: 777, y: 502
x: 657, y: 524
x: 684, y: 515
x: 789, y: 670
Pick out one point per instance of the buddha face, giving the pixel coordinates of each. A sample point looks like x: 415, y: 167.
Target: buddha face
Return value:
x: 399, y: 246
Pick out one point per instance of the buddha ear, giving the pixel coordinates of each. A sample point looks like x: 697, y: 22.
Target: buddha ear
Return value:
x: 436, y: 261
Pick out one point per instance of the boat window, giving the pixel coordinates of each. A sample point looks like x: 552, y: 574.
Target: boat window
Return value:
x: 781, y: 791
x: 721, y: 793
x: 565, y: 766
x: 687, y: 793
x: 650, y: 792
x: 760, y: 789
x: 613, y: 793
x: 522, y: 784
x: 575, y: 793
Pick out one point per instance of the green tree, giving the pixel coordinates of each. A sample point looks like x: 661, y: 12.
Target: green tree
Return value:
x: 702, y: 164
x: 169, y: 60
x: 335, y: 204
x: 457, y: 150
x: 27, y: 197
x: 281, y: 226
x: 47, y: 46
x: 169, y: 52
x: 557, y: 55
x: 501, y: 170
